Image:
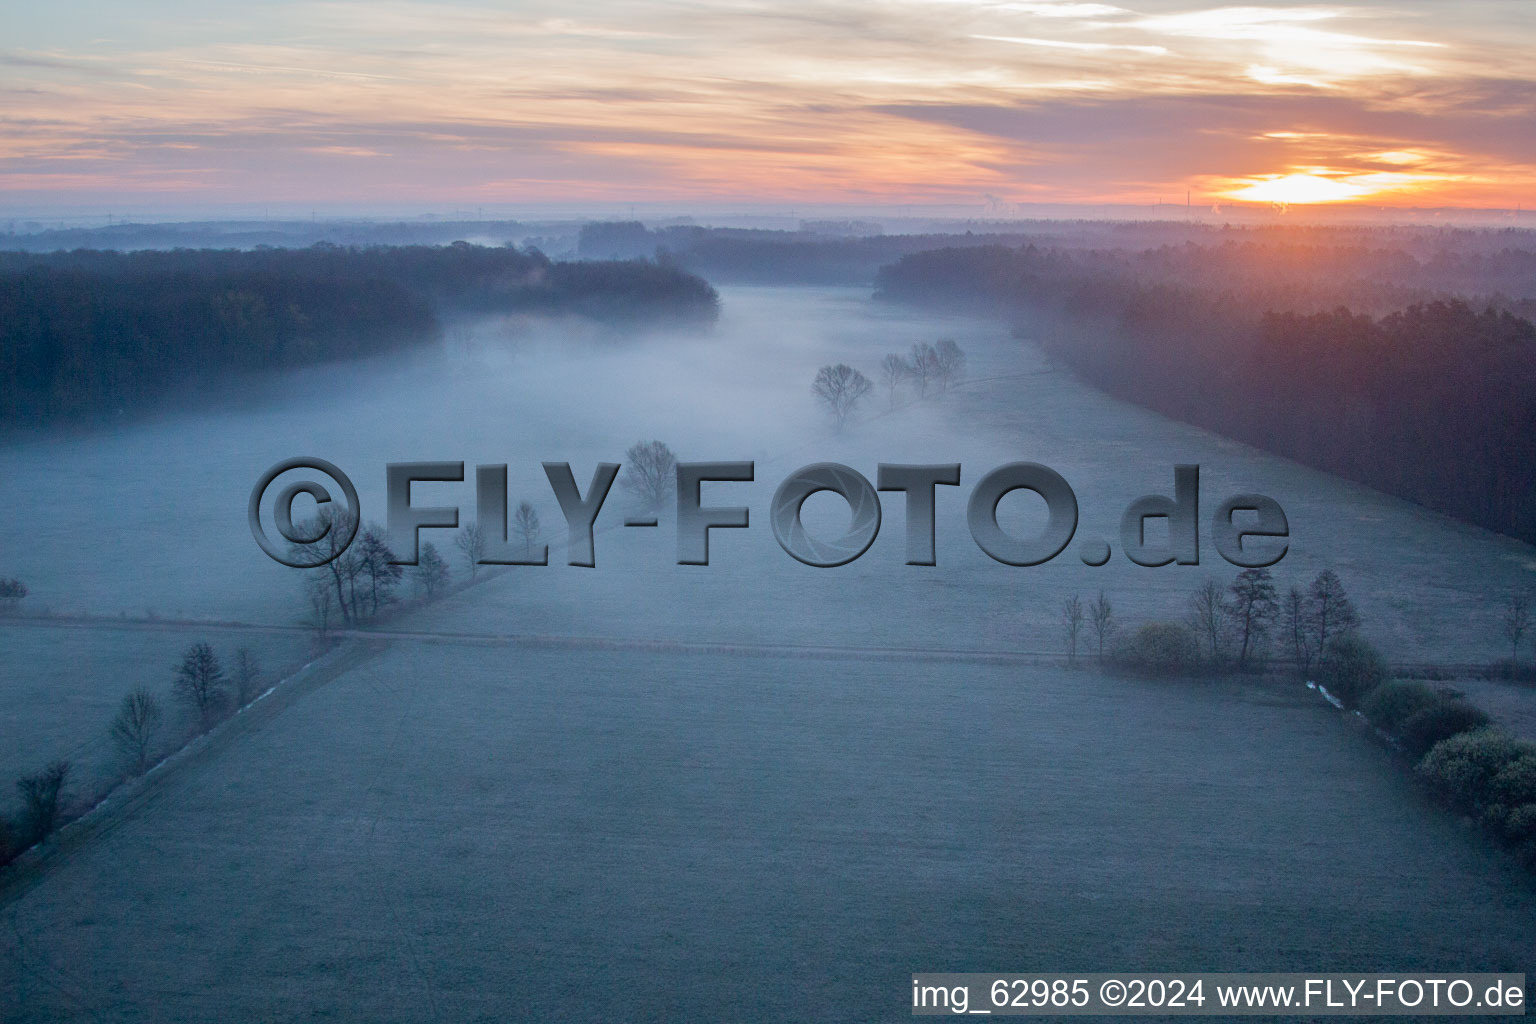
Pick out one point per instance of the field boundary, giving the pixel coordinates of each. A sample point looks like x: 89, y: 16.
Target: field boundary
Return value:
x: 124, y: 802
x: 577, y: 641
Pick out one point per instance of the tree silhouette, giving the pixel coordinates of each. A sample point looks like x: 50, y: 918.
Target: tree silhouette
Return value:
x: 948, y: 362
x: 650, y: 473
x: 1251, y: 610
x: 376, y: 566
x: 893, y: 370
x: 1330, y: 610
x: 471, y: 544
x: 840, y: 389
x: 1072, y: 625
x: 247, y: 676
x: 923, y: 363
x: 1517, y: 619
x: 1208, y: 617
x: 42, y: 796
x: 134, y: 728
x: 199, y: 683
x: 1101, y: 615
x: 526, y: 522
x: 431, y: 571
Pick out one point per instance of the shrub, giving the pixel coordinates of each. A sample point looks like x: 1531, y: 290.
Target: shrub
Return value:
x: 1515, y: 784
x: 1440, y: 721
x: 1520, y: 826
x: 1511, y: 807
x: 1391, y: 704
x: 1463, y: 767
x: 42, y: 796
x: 11, y: 592
x: 1351, y: 669
x: 1158, y: 648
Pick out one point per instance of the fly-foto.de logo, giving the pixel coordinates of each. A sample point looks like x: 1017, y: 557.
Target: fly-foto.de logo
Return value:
x: 1248, y: 530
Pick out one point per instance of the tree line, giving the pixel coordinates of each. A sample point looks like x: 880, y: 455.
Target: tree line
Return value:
x: 141, y: 734
x: 1231, y: 626
x: 1294, y: 349
x: 927, y: 368
x: 1397, y: 259
x: 90, y: 333
x: 1469, y: 763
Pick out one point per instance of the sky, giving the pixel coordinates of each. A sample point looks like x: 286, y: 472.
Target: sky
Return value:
x: 871, y: 102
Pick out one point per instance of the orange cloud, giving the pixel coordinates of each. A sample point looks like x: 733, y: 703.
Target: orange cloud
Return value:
x: 895, y: 100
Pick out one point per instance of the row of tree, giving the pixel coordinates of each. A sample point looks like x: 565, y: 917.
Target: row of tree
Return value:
x: 1391, y: 265
x: 1226, y: 625
x: 840, y: 389
x: 141, y: 734
x: 1302, y: 352
x: 1476, y: 768
x: 358, y: 583
x: 925, y: 367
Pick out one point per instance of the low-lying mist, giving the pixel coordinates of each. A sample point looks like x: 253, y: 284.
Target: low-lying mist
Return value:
x: 149, y: 519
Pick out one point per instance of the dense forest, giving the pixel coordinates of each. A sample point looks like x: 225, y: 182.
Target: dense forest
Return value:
x: 1413, y: 374
x: 1414, y: 257
x: 91, y: 333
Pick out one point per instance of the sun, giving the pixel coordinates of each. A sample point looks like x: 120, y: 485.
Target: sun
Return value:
x: 1298, y: 188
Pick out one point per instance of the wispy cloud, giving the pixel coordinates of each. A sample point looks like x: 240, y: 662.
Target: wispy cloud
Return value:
x: 1063, y: 44
x: 823, y: 99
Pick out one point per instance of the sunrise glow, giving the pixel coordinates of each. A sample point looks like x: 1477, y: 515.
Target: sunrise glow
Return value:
x: 1299, y: 188
x: 915, y: 101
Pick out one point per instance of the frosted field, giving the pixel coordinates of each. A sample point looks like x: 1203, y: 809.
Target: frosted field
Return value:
x: 469, y: 827
x: 461, y: 832
x: 150, y: 520
x: 63, y: 685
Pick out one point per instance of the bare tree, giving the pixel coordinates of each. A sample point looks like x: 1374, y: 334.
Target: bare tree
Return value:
x: 526, y: 522
x: 840, y: 388
x: 893, y: 370
x: 42, y: 795
x: 924, y: 362
x: 1297, y: 625
x: 322, y: 604
x: 377, y: 568
x: 1251, y: 610
x: 1101, y: 615
x: 247, y: 676
x: 431, y: 571
x: 650, y: 473
x: 134, y: 728
x: 1208, y: 617
x: 1332, y: 612
x: 338, y: 567
x: 1517, y: 619
x: 1072, y: 624
x: 200, y: 683
x: 948, y: 362
x: 471, y: 544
